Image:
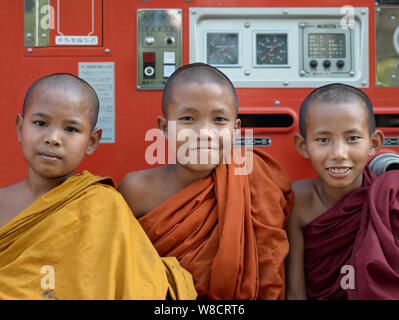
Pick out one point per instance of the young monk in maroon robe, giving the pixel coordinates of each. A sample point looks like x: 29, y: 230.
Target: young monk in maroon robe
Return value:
x: 344, y: 226
x: 226, y: 228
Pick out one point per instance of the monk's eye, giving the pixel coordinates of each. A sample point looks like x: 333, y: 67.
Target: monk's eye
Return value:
x: 221, y: 119
x: 186, y: 118
x: 353, y: 138
x: 322, y: 140
x: 40, y: 123
x: 71, y: 130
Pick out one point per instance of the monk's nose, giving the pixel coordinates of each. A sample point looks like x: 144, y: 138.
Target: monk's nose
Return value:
x: 52, y: 137
x: 339, y: 151
x: 207, y: 133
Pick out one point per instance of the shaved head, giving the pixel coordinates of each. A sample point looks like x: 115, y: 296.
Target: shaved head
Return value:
x: 335, y: 93
x: 200, y: 73
x: 70, y: 83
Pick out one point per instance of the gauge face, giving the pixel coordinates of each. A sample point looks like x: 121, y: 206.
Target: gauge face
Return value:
x: 222, y: 48
x: 271, y: 49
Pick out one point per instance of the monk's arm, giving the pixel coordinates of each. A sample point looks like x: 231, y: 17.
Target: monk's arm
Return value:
x: 295, y: 275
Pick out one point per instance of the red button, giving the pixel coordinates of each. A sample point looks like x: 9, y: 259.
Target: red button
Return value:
x: 149, y: 57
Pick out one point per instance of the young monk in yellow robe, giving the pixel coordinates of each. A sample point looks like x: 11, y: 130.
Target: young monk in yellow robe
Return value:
x: 226, y: 228
x: 66, y: 236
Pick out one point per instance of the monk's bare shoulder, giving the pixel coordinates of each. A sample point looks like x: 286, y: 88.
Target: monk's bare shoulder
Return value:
x: 142, y: 189
x: 303, y: 200
x: 12, y: 202
x: 295, y: 277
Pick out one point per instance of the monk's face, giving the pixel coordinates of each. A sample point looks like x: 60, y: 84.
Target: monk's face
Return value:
x: 205, y: 118
x: 338, y: 142
x: 55, y: 132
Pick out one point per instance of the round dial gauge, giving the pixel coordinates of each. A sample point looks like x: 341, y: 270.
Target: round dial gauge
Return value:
x: 271, y: 49
x: 222, y: 48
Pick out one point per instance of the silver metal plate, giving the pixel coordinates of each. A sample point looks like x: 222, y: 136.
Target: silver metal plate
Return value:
x: 387, y: 47
x: 159, y: 36
x: 255, y: 142
x: 37, y: 23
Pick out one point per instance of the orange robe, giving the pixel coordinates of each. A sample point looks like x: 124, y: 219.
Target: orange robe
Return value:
x: 228, y: 230
x: 81, y: 241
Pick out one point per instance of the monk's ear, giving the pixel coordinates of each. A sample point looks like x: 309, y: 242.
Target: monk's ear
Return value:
x: 300, y: 145
x: 376, y: 142
x: 19, y: 122
x: 94, y: 140
x: 162, y: 124
x: 237, y: 124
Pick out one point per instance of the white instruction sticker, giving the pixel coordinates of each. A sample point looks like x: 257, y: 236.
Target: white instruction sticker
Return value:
x: 101, y: 76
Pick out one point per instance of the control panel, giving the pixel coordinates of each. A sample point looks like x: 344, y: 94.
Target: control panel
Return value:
x: 283, y: 47
x: 327, y: 50
x: 159, y: 46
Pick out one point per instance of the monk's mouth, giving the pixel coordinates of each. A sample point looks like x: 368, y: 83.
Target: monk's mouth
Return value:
x: 204, y: 148
x: 49, y: 157
x: 339, y: 172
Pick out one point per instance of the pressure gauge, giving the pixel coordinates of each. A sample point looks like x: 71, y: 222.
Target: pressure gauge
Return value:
x: 271, y: 49
x: 222, y: 49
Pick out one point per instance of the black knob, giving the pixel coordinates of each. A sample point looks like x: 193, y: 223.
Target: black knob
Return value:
x: 326, y: 63
x: 340, y: 64
x: 313, y: 63
x: 170, y: 40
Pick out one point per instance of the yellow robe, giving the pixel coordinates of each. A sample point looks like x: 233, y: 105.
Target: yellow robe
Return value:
x: 81, y: 241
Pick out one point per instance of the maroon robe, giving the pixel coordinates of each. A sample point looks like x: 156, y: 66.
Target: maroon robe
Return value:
x: 362, y: 231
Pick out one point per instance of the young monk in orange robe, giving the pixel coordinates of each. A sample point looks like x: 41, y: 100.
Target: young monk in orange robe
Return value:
x: 66, y: 236
x: 226, y: 228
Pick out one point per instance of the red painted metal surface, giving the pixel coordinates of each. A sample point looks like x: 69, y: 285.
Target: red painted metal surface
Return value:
x: 136, y: 111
